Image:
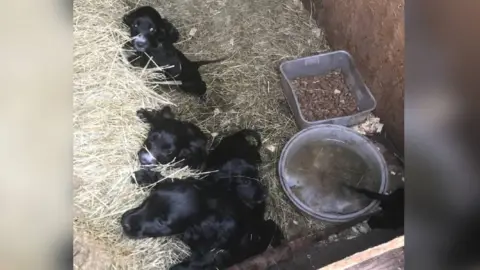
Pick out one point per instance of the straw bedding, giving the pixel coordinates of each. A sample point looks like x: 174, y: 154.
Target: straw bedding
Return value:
x: 243, y: 92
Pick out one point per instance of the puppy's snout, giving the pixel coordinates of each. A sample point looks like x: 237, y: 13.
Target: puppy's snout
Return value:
x: 125, y: 222
x: 146, y: 158
x: 126, y: 227
x: 140, y: 42
x: 129, y: 228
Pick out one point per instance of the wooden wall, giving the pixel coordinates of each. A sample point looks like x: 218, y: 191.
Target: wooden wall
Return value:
x: 373, y: 32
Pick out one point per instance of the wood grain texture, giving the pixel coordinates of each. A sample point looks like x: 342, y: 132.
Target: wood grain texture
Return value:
x: 390, y: 260
x: 372, y: 257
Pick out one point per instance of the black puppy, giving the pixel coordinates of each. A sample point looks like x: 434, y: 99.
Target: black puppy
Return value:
x: 392, y: 214
x: 231, y: 246
x: 217, y: 226
x: 171, y: 207
x: 153, y: 38
x: 256, y: 240
x: 236, y: 230
x: 148, y: 28
x: 200, y: 198
x: 175, y: 206
x: 235, y: 155
x: 184, y: 71
x: 235, y: 161
x: 170, y: 139
x: 180, y: 70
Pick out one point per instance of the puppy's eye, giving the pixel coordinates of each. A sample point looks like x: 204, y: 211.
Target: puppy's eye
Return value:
x: 135, y: 25
x: 245, y: 181
x: 152, y: 30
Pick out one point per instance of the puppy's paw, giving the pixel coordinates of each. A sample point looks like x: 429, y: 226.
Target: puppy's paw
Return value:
x: 137, y: 177
x: 144, y: 177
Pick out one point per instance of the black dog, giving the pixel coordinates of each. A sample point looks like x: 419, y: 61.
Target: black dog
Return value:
x: 202, y: 197
x: 236, y: 160
x: 172, y: 206
x: 153, y: 38
x: 235, y: 229
x: 217, y: 226
x: 184, y: 71
x: 232, y: 244
x: 236, y: 155
x: 257, y: 239
x: 180, y: 72
x: 170, y: 139
x: 148, y: 28
x: 392, y: 214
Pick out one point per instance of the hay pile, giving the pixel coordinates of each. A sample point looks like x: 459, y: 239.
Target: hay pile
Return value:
x: 243, y: 91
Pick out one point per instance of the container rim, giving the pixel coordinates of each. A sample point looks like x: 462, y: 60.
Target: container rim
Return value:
x: 322, y: 121
x: 324, y: 216
x: 349, y: 56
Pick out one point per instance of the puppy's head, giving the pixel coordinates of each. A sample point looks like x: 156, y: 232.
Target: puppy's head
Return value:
x: 236, y: 167
x: 161, y: 145
x: 171, y: 139
x: 241, y: 177
x: 162, y: 213
x: 249, y: 190
x: 143, y: 32
x: 147, y: 28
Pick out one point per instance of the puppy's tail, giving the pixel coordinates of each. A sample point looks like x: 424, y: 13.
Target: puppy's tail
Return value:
x: 254, y: 134
x: 370, y: 194
x: 206, y: 62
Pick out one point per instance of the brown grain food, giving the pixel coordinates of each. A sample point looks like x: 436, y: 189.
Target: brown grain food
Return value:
x: 323, y: 97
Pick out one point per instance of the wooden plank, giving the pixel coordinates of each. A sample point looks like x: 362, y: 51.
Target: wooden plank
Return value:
x: 393, y: 259
x: 321, y: 254
x: 368, y: 254
x: 284, y: 252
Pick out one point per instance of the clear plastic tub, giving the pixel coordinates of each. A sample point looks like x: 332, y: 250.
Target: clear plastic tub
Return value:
x: 304, y: 181
x: 321, y: 65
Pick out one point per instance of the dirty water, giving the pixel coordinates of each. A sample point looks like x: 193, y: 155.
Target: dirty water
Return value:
x: 315, y: 174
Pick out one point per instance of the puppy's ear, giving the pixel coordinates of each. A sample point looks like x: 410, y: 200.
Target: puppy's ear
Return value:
x: 184, y: 153
x: 166, y: 112
x: 171, y: 32
x: 199, y: 143
x: 145, y: 115
x: 128, y: 18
